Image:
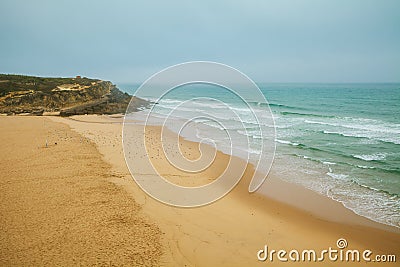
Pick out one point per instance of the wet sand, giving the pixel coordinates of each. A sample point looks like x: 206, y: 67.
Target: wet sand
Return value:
x: 228, y: 232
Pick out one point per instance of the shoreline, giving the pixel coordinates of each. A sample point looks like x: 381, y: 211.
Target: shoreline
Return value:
x: 99, y: 215
x: 334, y: 222
x: 292, y: 194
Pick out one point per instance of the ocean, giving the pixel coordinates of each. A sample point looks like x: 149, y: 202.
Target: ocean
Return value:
x: 340, y: 140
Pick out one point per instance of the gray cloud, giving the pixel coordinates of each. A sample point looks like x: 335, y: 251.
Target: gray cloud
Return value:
x: 127, y: 41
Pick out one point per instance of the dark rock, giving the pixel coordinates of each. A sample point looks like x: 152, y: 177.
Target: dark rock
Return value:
x: 69, y: 96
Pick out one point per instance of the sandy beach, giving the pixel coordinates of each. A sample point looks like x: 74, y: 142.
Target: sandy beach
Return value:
x: 58, y: 206
x: 200, y: 133
x: 74, y: 202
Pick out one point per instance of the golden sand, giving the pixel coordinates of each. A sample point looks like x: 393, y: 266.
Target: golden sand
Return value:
x: 96, y: 205
x: 58, y: 206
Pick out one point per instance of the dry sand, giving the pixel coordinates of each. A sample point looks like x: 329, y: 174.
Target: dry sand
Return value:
x: 58, y: 206
x: 228, y: 232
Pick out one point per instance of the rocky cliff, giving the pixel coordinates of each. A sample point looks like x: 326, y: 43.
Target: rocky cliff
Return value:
x: 64, y: 96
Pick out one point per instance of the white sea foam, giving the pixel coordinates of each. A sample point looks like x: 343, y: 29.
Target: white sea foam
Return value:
x: 287, y: 142
x: 361, y: 128
x: 328, y: 163
x: 365, y: 167
x: 339, y: 180
x: 337, y: 176
x: 371, y: 157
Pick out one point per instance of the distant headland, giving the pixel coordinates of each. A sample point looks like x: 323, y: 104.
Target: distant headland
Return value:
x: 29, y: 95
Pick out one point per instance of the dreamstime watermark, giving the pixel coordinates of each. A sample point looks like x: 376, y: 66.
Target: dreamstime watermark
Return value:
x: 176, y: 79
x: 333, y: 254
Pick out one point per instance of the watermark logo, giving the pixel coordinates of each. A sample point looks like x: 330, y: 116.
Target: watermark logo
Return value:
x: 339, y: 253
x: 223, y: 108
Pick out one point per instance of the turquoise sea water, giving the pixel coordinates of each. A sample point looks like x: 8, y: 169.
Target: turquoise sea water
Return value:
x: 341, y: 140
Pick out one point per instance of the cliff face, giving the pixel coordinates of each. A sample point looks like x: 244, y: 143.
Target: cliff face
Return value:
x: 68, y: 96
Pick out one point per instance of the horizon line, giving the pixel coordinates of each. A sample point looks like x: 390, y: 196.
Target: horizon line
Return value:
x: 258, y: 82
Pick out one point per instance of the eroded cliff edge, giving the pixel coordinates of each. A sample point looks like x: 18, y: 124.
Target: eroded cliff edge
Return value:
x: 31, y: 95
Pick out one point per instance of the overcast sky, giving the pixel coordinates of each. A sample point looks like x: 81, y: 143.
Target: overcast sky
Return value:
x: 270, y: 41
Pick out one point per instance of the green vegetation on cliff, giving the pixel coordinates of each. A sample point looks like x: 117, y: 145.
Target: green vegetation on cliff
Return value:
x: 69, y: 96
x: 12, y: 83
